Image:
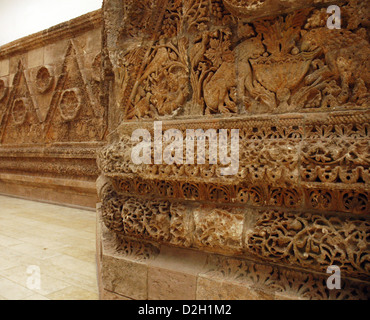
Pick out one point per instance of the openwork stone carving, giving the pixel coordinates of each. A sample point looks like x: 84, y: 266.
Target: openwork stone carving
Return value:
x: 312, y: 241
x: 298, y: 94
x: 306, y: 240
x: 290, y: 283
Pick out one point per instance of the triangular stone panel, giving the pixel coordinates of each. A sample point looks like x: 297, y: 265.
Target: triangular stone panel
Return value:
x: 4, y: 94
x: 42, y: 83
x: 71, y: 116
x: 21, y: 122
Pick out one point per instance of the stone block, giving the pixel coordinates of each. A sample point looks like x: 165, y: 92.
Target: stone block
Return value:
x: 107, y: 295
x: 124, y: 277
x: 89, y: 42
x: 173, y: 274
x: 93, y: 43
x: 217, y: 289
x: 4, y: 67
x: 36, y: 58
x: 55, y: 52
x: 14, y: 63
x: 166, y: 284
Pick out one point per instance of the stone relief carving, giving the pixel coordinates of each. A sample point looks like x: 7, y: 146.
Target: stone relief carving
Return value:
x: 163, y: 88
x: 312, y: 240
x: 71, y: 100
x: 20, y: 121
x: 256, y: 8
x: 44, y: 80
x: 191, y: 69
x: 305, y: 240
x: 279, y: 166
x: 3, y: 90
x: 19, y: 111
x: 290, y: 283
x: 300, y: 198
x: 3, y: 97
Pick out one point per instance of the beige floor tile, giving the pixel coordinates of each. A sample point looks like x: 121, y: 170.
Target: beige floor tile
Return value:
x: 48, y: 284
x: 59, y: 240
x: 74, y: 265
x: 37, y: 297
x: 39, y: 252
x: 8, y: 241
x: 83, y: 254
x: 88, y: 283
x: 42, y: 241
x: 13, y: 291
x: 15, y: 258
x: 7, y: 263
x: 73, y: 293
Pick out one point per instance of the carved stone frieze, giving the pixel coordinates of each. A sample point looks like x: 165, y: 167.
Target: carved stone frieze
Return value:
x: 260, y: 8
x: 281, y: 281
x: 312, y: 241
x: 306, y: 240
x: 297, y: 94
x: 202, y: 60
x: 51, y: 118
x: 70, y: 101
x: 291, y: 162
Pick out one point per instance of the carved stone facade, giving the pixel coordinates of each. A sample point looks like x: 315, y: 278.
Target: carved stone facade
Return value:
x: 296, y: 92
x: 299, y: 94
x: 52, y: 120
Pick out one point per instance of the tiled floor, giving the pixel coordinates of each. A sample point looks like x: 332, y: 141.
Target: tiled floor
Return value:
x: 47, y: 252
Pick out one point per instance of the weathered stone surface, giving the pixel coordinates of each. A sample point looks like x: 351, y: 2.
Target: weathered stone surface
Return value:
x: 107, y: 295
x: 262, y: 8
x: 4, y: 67
x: 297, y: 92
x: 51, y: 118
x: 125, y: 277
x: 173, y: 274
x: 165, y: 284
x: 36, y: 57
x: 214, y: 289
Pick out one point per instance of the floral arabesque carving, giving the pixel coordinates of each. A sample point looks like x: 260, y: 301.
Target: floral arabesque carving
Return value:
x: 307, y: 240
x: 304, y: 240
x: 288, y: 283
x: 300, y: 198
x: 278, y: 64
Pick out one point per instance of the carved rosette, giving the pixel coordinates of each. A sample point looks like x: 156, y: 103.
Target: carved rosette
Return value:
x: 70, y: 104
x: 19, y: 111
x: 44, y: 80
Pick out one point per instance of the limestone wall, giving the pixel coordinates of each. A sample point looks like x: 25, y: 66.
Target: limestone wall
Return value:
x: 299, y: 94
x: 51, y: 117
x: 296, y: 91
